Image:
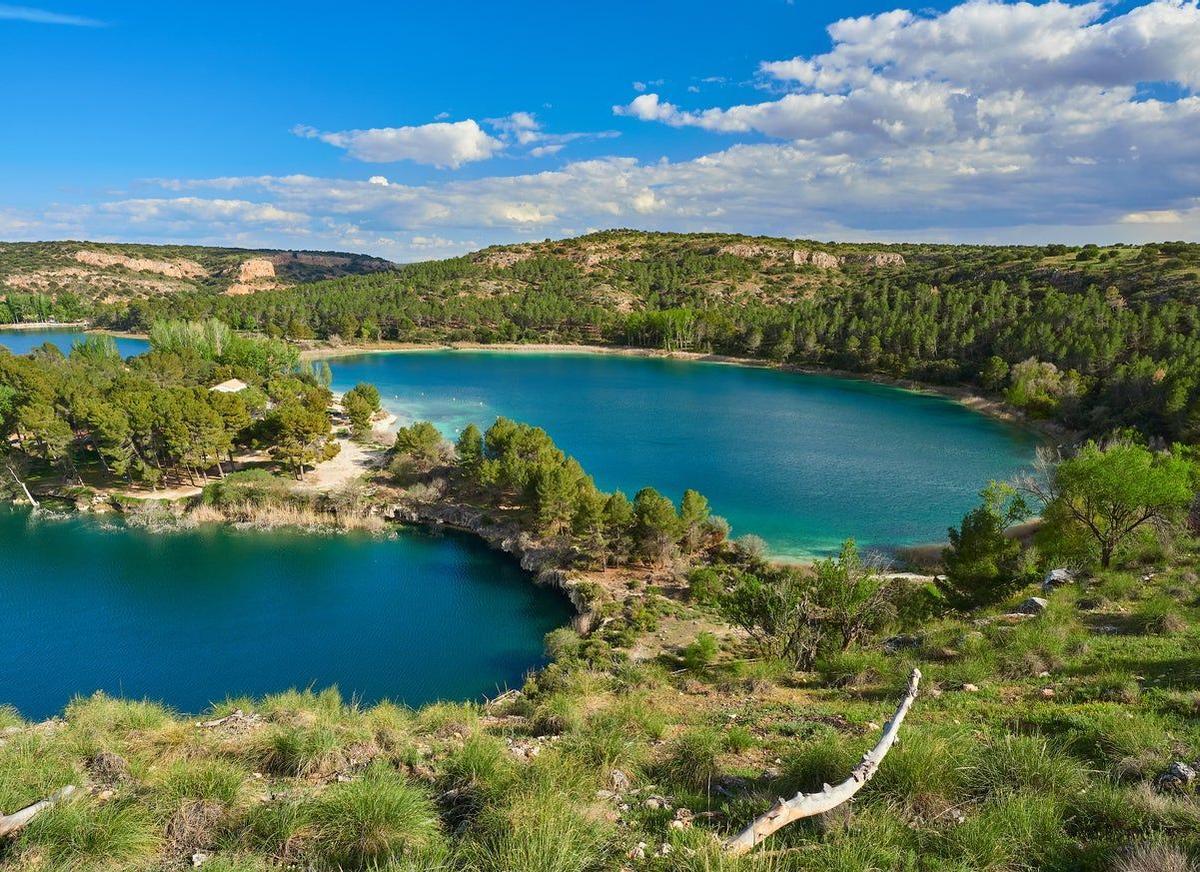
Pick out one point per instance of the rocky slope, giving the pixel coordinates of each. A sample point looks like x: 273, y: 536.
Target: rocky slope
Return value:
x: 107, y: 272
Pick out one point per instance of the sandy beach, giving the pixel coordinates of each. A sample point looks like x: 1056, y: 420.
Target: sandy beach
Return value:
x: 44, y: 325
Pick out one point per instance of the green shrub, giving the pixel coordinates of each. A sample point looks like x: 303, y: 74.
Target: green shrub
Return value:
x: 83, y: 834
x: 372, y: 820
x: 705, y: 585
x: 248, y: 487
x: 563, y: 644
x: 1026, y: 763
x: 691, y: 759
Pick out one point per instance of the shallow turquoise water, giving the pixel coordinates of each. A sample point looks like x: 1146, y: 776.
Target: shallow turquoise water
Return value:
x: 24, y: 341
x: 801, y: 460
x: 190, y: 618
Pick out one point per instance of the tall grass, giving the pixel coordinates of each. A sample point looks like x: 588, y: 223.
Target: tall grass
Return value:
x: 373, y: 820
x: 86, y: 835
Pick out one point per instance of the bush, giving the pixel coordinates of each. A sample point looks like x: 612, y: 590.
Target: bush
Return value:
x: 83, y: 834
x: 701, y: 652
x: 692, y: 758
x: 705, y: 585
x: 376, y: 819
x: 249, y: 487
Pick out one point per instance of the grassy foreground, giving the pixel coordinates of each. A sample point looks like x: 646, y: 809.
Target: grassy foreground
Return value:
x: 1037, y: 742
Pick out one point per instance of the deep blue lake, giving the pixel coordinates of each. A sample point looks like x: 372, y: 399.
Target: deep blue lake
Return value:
x: 191, y: 618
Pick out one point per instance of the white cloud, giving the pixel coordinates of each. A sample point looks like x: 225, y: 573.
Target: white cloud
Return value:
x: 44, y: 16
x: 439, y: 144
x: 988, y: 122
x: 525, y: 130
x: 183, y: 211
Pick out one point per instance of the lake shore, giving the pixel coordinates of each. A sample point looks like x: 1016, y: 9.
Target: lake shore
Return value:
x: 992, y: 407
x: 45, y: 325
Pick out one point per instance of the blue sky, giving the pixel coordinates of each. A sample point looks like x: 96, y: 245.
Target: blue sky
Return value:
x: 278, y: 125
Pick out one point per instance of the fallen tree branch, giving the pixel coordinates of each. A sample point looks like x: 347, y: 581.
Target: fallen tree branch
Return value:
x: 10, y: 823
x: 22, y: 484
x: 804, y: 805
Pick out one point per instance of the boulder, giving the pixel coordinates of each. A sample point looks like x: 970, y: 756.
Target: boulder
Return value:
x: 1058, y: 578
x: 1177, y: 777
x: 1035, y: 605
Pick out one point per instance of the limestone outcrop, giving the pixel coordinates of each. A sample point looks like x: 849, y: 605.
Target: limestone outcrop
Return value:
x: 819, y: 259
x: 255, y: 274
x: 180, y: 268
x: 534, y: 557
x: 256, y: 268
x: 879, y: 259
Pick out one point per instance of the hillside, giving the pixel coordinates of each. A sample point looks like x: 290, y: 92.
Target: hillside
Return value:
x: 1092, y: 337
x: 110, y: 272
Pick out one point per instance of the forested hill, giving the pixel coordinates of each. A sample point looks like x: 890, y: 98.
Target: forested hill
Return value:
x: 64, y: 280
x: 1096, y: 337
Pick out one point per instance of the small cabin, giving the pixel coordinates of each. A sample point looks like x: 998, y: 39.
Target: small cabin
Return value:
x: 233, y: 386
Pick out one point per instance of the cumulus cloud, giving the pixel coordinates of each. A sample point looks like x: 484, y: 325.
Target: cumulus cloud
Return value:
x: 984, y: 71
x: 441, y: 143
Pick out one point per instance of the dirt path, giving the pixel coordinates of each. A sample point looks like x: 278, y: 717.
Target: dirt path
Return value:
x: 354, y: 459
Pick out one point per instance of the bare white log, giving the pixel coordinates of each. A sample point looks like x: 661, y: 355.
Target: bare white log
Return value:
x: 15, y: 478
x: 804, y: 805
x: 10, y: 823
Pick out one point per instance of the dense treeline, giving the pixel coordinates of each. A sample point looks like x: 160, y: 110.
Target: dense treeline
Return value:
x: 518, y: 466
x: 155, y: 419
x: 1095, y: 338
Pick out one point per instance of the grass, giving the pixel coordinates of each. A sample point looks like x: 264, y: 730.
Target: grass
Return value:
x: 204, y: 780
x: 84, y: 834
x: 373, y: 820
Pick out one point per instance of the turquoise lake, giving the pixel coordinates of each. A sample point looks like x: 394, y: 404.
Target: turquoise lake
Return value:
x: 191, y: 618
x: 803, y: 461
x: 25, y: 341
